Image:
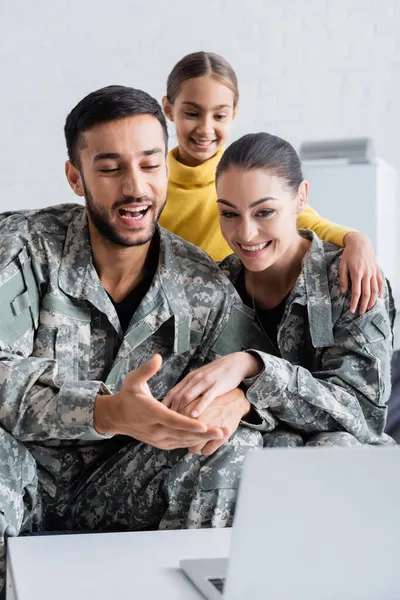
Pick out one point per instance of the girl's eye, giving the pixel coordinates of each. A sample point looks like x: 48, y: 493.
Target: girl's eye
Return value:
x: 191, y: 115
x: 220, y: 117
x: 109, y: 170
x: 228, y: 215
x: 150, y: 167
x: 265, y: 212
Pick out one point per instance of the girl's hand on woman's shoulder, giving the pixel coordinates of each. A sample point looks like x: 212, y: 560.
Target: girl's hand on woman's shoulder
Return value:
x: 359, y: 263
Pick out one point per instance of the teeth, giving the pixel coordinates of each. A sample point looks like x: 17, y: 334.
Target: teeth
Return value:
x: 135, y: 212
x: 203, y: 142
x: 135, y: 209
x: 254, y: 248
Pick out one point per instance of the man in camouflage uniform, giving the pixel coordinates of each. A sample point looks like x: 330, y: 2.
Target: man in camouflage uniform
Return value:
x: 101, y: 313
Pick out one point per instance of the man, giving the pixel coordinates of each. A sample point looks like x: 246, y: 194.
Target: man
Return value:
x: 101, y: 313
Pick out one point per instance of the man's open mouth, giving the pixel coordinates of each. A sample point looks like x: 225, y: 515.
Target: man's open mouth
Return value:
x: 136, y: 213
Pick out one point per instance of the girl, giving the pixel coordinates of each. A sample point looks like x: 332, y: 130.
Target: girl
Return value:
x: 324, y: 376
x: 202, y: 101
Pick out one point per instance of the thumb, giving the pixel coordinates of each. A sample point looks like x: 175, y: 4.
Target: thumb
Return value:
x: 148, y: 369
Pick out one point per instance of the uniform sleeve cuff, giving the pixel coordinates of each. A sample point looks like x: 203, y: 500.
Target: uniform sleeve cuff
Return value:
x: 76, y: 407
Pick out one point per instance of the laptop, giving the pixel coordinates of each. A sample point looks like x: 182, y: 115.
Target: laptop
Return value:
x: 311, y: 524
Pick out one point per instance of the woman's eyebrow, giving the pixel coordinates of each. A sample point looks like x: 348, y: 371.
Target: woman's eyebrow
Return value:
x: 252, y: 205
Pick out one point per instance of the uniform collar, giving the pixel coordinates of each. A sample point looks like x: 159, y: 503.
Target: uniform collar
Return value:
x: 79, y: 279
x: 314, y: 281
x: 311, y: 289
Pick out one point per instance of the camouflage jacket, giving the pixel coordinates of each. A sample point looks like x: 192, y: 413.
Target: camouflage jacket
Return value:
x: 333, y: 373
x: 61, y: 342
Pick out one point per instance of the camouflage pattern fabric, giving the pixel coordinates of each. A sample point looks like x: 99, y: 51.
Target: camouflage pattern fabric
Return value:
x: 124, y: 486
x: 333, y: 373
x: 61, y: 344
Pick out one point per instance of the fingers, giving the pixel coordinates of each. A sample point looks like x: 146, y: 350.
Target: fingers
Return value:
x: 365, y: 291
x: 208, y: 448
x: 188, y: 390
x: 174, y: 420
x: 196, y: 449
x: 355, y: 292
x: 147, y: 370
x: 170, y: 398
x: 359, y: 262
x: 374, y: 293
x: 172, y: 442
x: 202, y: 403
x: 381, y: 284
x: 212, y: 445
x: 366, y: 294
x: 343, y: 275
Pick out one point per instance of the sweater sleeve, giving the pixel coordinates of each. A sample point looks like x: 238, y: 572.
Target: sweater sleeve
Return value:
x: 326, y: 230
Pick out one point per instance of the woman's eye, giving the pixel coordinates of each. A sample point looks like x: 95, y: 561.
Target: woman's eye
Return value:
x: 265, y: 213
x: 191, y: 115
x: 228, y: 215
x: 220, y: 117
x: 109, y: 170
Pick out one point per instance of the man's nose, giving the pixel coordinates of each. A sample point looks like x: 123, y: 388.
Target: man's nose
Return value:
x: 134, y: 183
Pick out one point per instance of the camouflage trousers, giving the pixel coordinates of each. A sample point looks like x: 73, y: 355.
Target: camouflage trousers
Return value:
x: 126, y: 486
x: 281, y: 438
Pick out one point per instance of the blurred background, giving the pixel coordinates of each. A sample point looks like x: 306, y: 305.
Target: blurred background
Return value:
x: 313, y: 70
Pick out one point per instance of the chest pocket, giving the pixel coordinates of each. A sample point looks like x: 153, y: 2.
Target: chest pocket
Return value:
x: 64, y: 335
x: 19, y: 304
x: 174, y: 364
x: 158, y: 342
x: 239, y: 333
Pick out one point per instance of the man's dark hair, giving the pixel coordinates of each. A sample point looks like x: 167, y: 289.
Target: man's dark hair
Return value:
x: 108, y: 104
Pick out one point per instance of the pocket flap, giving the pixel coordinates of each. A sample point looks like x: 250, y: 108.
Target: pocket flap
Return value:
x: 19, y: 299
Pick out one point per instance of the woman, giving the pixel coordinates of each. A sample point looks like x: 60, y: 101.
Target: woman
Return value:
x: 202, y: 101
x: 324, y: 374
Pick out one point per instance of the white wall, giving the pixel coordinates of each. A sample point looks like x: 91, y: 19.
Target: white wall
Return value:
x: 307, y: 70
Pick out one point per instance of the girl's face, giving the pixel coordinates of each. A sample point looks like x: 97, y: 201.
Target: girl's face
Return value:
x: 203, y: 112
x: 258, y: 215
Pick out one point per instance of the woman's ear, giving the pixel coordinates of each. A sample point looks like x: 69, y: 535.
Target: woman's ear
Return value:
x: 302, y: 196
x: 168, y: 108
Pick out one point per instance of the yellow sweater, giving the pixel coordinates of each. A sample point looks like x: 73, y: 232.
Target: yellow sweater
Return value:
x: 191, y: 210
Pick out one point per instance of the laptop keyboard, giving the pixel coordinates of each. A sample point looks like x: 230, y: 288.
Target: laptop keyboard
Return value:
x: 218, y: 583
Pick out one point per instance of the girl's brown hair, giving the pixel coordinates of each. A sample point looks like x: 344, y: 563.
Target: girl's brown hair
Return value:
x: 198, y: 64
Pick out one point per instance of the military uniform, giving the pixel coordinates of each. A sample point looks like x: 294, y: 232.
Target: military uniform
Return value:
x: 328, y: 381
x: 61, y: 344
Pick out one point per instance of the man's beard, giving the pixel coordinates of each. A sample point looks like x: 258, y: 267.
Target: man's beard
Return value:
x: 100, y: 220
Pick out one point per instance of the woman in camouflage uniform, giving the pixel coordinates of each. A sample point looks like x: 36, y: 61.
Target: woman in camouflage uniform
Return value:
x: 324, y: 377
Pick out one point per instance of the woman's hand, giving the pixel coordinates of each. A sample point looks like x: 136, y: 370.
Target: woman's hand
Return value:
x: 359, y: 263
x: 196, y: 391
x: 225, y: 413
